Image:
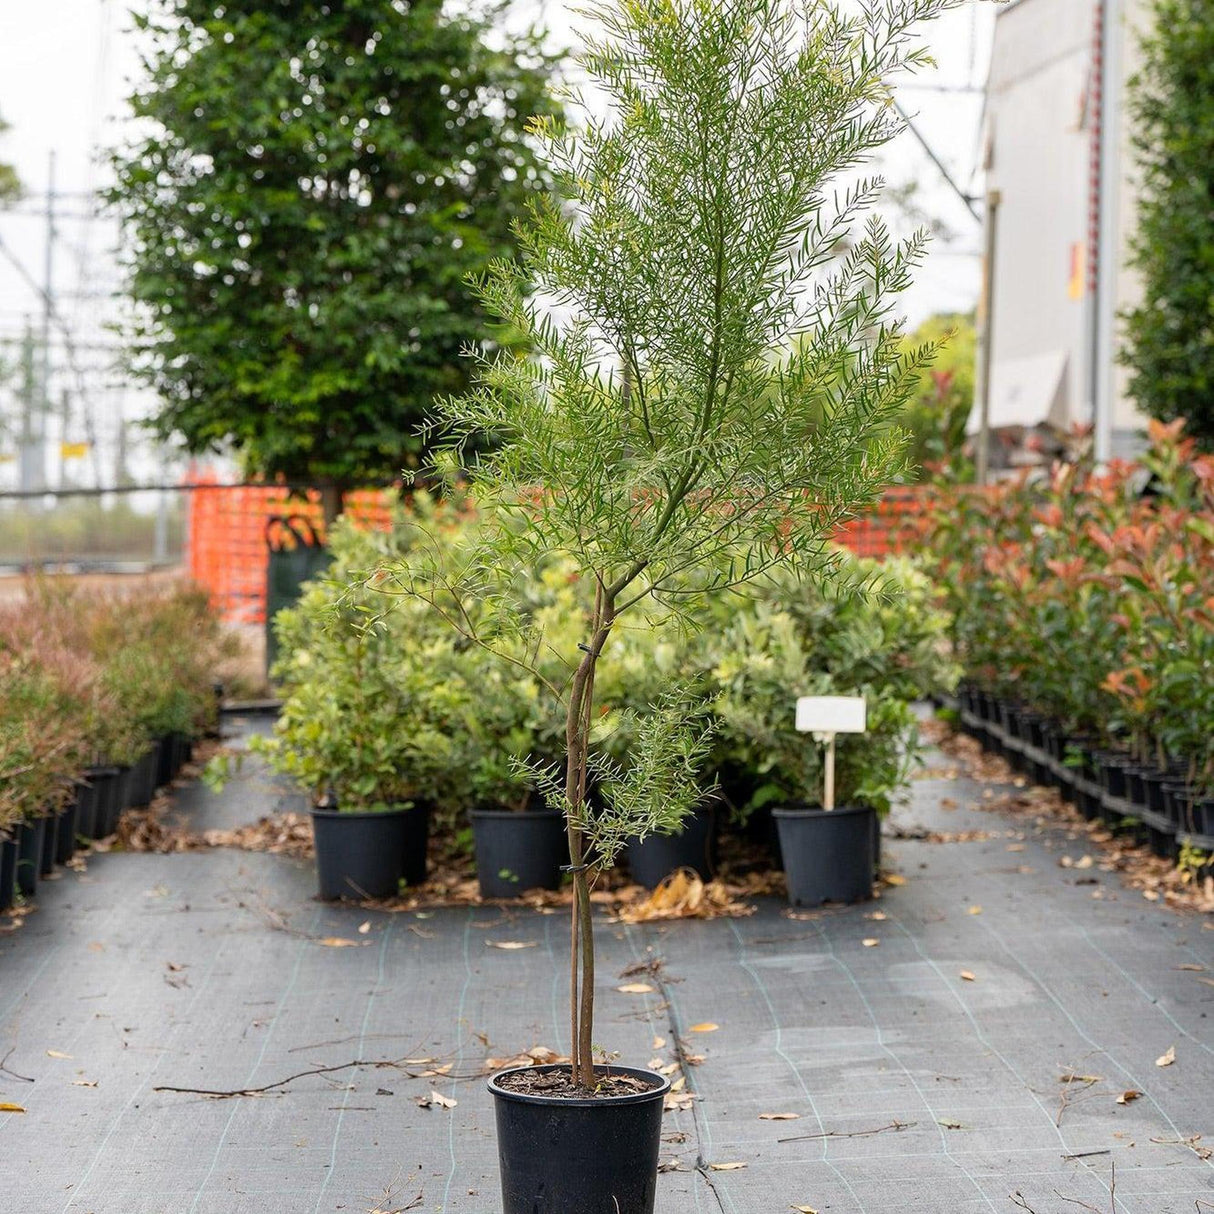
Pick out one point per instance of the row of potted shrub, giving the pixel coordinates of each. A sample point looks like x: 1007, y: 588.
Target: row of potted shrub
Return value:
x: 101, y: 697
x: 1084, y: 618
x: 396, y: 724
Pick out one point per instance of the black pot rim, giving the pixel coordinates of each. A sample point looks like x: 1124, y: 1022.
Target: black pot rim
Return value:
x: 398, y: 812
x: 657, y: 1092
x: 501, y: 814
x: 816, y: 811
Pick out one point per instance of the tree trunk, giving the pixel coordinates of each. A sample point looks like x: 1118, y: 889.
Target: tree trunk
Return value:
x: 579, y: 717
x: 332, y: 504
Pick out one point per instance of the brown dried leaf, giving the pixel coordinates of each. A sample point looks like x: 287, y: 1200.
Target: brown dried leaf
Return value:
x: 893, y: 879
x: 726, y: 1167
x: 84, y: 1083
x: 967, y: 976
x: 57, y: 1054
x: 1130, y: 1094
x: 706, y: 1026
x: 974, y: 910
x: 804, y: 1209
x: 10, y: 1108
x: 1167, y: 1058
x: 364, y: 927
x: 779, y: 1116
x: 337, y: 942
x: 871, y: 942
x: 636, y: 988
x: 510, y: 945
x: 1193, y: 969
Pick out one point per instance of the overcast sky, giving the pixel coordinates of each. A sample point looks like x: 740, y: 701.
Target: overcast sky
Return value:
x: 67, y: 65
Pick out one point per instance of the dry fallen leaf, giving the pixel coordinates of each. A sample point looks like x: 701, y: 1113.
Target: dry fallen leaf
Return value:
x: 967, y: 976
x: 436, y: 1098
x: 949, y: 1124
x: 84, y: 1083
x: 1193, y: 969
x: 1166, y: 1059
x: 871, y: 942
x: 659, y: 1043
x: 635, y: 988
x: 337, y: 942
x: 974, y: 910
x: 876, y: 917
x: 706, y: 1027
x: 1127, y: 1096
x: 894, y: 879
x: 56, y: 1054
x: 804, y: 1209
x: 779, y: 1116
x: 726, y: 1167
x: 510, y: 945
x: 364, y: 928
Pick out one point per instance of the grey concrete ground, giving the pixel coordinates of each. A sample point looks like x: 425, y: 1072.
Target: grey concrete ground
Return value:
x: 916, y: 1090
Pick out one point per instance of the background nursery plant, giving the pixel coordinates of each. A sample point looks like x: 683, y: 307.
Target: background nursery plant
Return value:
x: 652, y: 440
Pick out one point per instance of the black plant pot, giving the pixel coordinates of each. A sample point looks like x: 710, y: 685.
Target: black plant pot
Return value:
x: 8, y: 872
x: 29, y: 855
x: 579, y: 1156
x: 65, y: 833
x: 50, y: 844
x: 108, y: 788
x: 369, y: 855
x: 655, y: 857
x: 86, y: 810
x: 827, y: 853
x: 518, y: 851
x: 143, y: 778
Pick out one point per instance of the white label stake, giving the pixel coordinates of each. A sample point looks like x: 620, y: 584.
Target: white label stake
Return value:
x: 824, y: 717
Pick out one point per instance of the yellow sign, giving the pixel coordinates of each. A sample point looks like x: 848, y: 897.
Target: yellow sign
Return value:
x: 73, y: 450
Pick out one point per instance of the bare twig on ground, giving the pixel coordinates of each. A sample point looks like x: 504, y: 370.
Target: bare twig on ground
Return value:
x: 1017, y: 1199
x: 894, y: 1126
x: 9, y: 1071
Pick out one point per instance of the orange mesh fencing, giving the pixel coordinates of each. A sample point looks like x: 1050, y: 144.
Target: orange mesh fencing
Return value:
x: 226, y: 542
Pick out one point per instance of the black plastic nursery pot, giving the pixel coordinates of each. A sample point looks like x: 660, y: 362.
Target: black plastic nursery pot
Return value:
x: 29, y: 855
x: 86, y: 810
x: 50, y: 844
x: 369, y: 855
x: 65, y: 832
x: 653, y: 858
x: 579, y: 1155
x: 828, y: 854
x: 143, y: 777
x: 8, y: 872
x: 518, y: 851
x: 108, y: 790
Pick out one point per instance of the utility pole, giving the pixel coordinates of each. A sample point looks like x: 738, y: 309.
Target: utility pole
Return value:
x: 982, y: 457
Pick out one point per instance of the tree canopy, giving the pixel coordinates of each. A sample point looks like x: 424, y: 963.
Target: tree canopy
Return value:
x: 1171, y: 332
x: 311, y: 185
x: 10, y: 184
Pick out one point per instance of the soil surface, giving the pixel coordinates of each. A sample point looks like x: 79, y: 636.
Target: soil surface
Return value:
x: 546, y: 1081
x: 1011, y: 1028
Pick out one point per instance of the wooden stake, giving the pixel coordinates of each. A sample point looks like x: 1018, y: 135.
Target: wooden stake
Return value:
x: 828, y: 792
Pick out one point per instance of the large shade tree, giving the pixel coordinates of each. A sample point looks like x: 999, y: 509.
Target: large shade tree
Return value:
x: 311, y: 185
x: 1171, y: 332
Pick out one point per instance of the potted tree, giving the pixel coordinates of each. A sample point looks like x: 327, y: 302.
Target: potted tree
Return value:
x: 651, y: 436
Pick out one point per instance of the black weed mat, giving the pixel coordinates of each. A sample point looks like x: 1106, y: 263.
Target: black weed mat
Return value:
x: 959, y: 1046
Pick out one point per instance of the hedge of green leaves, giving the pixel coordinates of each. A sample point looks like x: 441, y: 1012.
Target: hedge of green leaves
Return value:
x: 386, y: 703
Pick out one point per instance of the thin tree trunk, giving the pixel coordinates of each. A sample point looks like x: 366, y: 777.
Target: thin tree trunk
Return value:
x: 577, y: 737
x: 332, y: 504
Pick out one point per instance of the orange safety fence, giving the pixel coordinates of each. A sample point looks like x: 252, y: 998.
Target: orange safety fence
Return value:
x: 226, y: 542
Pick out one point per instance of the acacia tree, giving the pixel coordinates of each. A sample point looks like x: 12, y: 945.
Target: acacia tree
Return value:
x: 1170, y: 351
x: 653, y: 439
x: 310, y: 186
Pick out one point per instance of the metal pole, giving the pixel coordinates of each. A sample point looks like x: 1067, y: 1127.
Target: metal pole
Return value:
x: 1108, y: 260
x: 48, y: 308
x: 828, y: 789
x: 982, y: 458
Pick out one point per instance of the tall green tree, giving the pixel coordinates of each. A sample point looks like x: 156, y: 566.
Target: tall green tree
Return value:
x: 311, y: 185
x: 656, y: 442
x: 1170, y: 351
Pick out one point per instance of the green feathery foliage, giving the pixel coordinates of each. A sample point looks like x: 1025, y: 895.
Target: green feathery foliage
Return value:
x: 653, y: 438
